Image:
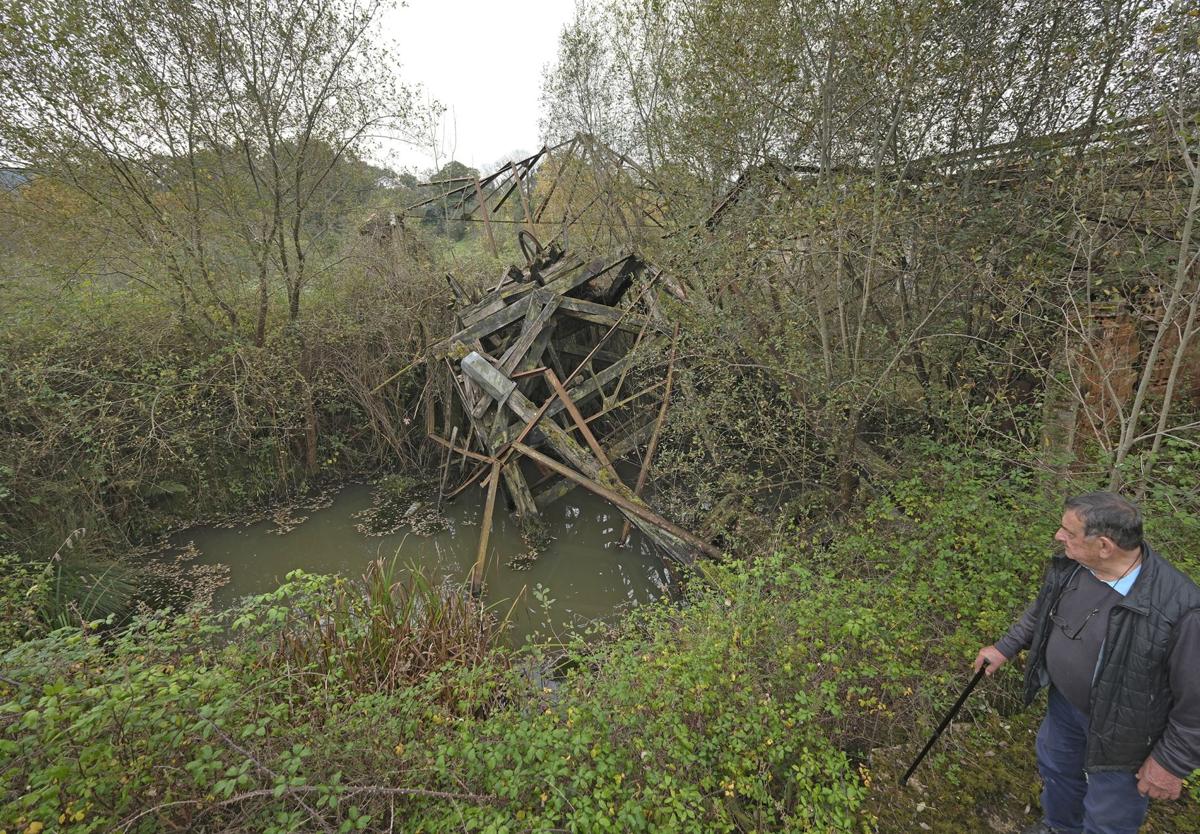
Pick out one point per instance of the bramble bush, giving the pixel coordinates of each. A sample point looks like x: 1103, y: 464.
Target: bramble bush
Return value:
x: 784, y: 694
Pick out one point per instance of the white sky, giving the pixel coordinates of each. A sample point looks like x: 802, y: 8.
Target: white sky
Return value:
x: 484, y: 61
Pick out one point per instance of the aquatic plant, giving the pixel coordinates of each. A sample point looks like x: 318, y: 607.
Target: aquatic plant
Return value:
x: 390, y: 629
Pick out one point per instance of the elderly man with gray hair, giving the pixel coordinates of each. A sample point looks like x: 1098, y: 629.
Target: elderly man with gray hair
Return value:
x: 1115, y: 634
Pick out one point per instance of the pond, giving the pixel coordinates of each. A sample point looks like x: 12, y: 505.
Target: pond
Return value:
x: 581, y: 567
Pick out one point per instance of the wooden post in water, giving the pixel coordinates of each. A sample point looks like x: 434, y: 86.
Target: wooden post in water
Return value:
x: 485, y: 531
x: 446, y: 466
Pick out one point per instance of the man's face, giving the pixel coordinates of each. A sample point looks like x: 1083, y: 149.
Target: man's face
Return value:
x: 1086, y: 550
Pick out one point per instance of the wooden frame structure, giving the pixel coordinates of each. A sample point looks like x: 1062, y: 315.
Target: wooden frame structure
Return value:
x: 562, y: 369
x: 598, y: 186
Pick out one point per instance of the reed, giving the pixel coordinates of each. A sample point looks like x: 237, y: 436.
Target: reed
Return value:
x: 77, y: 587
x: 390, y: 629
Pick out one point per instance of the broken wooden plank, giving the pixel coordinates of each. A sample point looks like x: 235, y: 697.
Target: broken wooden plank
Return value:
x: 518, y: 490
x: 488, y: 324
x: 588, y: 468
x: 534, y: 322
x: 584, y: 391
x: 561, y: 486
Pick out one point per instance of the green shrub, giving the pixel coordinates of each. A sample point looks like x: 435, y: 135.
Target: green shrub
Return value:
x: 785, y: 694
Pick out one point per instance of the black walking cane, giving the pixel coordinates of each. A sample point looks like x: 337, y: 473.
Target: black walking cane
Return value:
x: 945, y: 722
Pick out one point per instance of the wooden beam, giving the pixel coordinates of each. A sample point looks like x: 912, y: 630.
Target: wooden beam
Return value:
x: 563, y: 284
x: 488, y: 324
x: 485, y: 531
x: 662, y: 413
x: 584, y: 391
x: 466, y: 453
x: 487, y: 221
x: 556, y: 491
x: 637, y: 509
x: 490, y: 303
x: 532, y: 363
x: 585, y: 463
x: 581, y: 424
x: 518, y: 490
x: 561, y: 486
x: 534, y: 322
x: 601, y: 313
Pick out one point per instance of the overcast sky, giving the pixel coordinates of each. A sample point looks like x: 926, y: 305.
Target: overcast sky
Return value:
x: 484, y: 61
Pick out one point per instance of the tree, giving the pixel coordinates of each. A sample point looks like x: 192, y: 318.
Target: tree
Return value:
x: 917, y: 203
x: 211, y: 139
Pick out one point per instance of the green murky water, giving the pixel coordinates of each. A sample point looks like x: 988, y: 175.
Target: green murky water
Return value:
x: 582, y: 569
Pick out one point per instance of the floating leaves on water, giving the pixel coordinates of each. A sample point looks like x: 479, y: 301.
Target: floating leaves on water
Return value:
x: 536, y: 534
x: 287, y: 516
x: 398, y: 504
x: 173, y: 581
x: 523, y: 561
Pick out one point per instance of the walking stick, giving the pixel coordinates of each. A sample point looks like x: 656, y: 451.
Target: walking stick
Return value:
x: 945, y: 722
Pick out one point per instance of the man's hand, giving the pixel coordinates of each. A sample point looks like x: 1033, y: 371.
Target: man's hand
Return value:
x: 992, y: 656
x: 1156, y: 782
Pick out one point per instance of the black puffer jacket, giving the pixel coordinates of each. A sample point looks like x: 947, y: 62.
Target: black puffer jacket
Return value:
x: 1131, y: 695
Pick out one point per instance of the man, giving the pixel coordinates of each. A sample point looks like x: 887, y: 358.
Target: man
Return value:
x: 1115, y: 634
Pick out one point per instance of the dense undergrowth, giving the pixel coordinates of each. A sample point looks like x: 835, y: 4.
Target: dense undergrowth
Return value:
x: 785, y: 694
x: 121, y: 420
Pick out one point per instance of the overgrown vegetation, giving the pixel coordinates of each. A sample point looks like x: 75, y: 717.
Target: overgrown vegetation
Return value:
x: 940, y: 268
x: 786, y: 695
